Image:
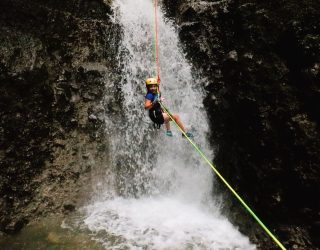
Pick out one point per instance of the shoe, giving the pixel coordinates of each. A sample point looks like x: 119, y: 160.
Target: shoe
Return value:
x: 189, y: 134
x: 169, y: 133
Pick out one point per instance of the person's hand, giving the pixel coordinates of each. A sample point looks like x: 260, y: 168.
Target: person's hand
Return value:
x: 162, y: 99
x: 156, y: 100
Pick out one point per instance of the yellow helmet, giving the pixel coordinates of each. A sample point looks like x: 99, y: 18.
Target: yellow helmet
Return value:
x: 151, y: 81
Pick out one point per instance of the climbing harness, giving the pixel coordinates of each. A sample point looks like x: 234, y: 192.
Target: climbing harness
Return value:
x: 196, y: 147
x: 155, y: 114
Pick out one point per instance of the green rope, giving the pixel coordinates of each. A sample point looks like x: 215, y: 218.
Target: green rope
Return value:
x: 225, y: 182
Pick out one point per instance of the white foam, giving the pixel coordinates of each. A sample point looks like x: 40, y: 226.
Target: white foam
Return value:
x: 163, y: 223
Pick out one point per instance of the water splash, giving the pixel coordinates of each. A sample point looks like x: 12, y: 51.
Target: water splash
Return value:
x: 162, y: 223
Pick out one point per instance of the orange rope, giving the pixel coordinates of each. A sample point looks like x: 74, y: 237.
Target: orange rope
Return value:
x: 156, y: 39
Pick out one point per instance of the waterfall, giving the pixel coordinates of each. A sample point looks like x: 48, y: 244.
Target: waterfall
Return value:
x: 159, y: 193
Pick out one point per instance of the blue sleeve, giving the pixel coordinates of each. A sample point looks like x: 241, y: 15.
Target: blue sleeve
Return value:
x: 149, y: 96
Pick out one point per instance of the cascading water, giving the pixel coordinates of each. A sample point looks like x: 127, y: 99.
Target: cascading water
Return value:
x: 159, y: 193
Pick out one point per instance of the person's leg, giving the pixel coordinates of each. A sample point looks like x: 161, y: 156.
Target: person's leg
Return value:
x: 176, y: 119
x: 166, y: 119
x: 167, y: 124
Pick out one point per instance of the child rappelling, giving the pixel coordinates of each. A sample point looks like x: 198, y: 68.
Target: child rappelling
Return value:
x: 159, y: 116
x: 153, y: 100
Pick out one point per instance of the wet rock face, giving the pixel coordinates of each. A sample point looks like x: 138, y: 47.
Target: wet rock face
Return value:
x: 56, y: 58
x: 26, y: 118
x: 261, y: 60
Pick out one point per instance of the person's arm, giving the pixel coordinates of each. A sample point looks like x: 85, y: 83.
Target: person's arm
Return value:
x: 147, y: 104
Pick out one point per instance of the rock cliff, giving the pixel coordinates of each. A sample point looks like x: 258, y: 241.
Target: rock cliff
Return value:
x: 56, y: 61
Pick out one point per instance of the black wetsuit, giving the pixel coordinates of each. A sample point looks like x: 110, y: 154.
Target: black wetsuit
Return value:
x: 155, y: 112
